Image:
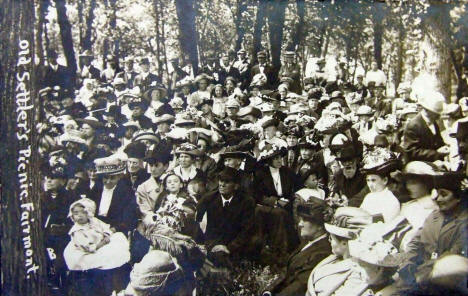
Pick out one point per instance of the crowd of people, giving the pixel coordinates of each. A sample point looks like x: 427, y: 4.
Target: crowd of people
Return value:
x: 165, y: 189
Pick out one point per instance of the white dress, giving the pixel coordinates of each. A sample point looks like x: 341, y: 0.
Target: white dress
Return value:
x: 383, y: 202
x: 112, y: 255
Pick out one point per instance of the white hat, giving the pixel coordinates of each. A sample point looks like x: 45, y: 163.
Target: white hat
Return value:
x: 232, y: 103
x: 432, y: 101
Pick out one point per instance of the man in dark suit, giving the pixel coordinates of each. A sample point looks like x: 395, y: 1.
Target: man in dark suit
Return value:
x: 313, y: 248
x: 229, y: 219
x: 145, y: 78
x: 226, y: 68
x: 265, y: 68
x: 56, y: 74
x: 421, y: 136
x: 136, y: 174
x: 115, y: 199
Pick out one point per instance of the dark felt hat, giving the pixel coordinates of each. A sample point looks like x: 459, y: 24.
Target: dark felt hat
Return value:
x: 229, y: 174
x: 135, y: 150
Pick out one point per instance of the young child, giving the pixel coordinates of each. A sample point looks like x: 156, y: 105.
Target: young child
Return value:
x: 93, y: 244
x: 88, y: 233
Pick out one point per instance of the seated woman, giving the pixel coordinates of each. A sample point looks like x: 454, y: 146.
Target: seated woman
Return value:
x: 186, y: 154
x: 374, y: 263
x: 332, y: 271
x: 275, y: 186
x: 380, y: 201
x: 443, y: 233
x: 94, y: 246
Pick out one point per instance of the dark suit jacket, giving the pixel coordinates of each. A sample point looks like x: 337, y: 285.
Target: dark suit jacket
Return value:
x: 418, y: 141
x: 223, y: 74
x: 231, y: 225
x: 62, y: 77
x: 293, y: 280
x: 123, y: 210
x: 264, y: 186
x: 144, y: 83
x: 142, y: 176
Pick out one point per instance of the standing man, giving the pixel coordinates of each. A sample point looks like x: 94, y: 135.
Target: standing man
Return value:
x: 145, y: 78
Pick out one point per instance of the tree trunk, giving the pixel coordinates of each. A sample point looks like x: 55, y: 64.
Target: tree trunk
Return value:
x: 240, y: 31
x: 163, y: 39
x: 21, y: 233
x: 113, y: 25
x: 275, y: 24
x: 80, y: 8
x: 257, y: 35
x: 188, y: 37
x: 87, y: 43
x: 39, y: 30
x: 378, y: 32
x: 66, y: 36
x: 298, y: 32
x: 158, y: 37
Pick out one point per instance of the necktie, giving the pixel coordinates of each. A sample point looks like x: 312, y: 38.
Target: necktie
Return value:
x: 226, y: 204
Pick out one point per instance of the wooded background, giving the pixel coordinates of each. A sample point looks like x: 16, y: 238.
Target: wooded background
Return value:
x: 405, y: 37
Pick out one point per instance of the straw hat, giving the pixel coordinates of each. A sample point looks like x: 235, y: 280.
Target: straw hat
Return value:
x: 347, y: 222
x: 111, y: 165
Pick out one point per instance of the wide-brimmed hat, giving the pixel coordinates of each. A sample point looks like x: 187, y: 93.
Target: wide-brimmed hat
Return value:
x: 365, y: 110
x: 432, y: 101
x: 132, y: 124
x: 451, y: 111
x: 347, y: 222
x: 380, y: 253
x: 203, y: 76
x: 111, y: 165
x: 204, y: 102
x: 294, y: 130
x: 379, y: 161
x: 187, y: 148
x: 309, y: 204
x: 184, y: 82
x: 404, y: 87
x: 249, y: 110
x: 108, y: 139
x: 270, y: 122
x: 160, y: 153
x: 57, y: 171
x: 155, y: 274
x: 308, y: 143
x: 271, y: 149
x: 184, y: 120
x: 230, y: 78
x: 164, y: 118
x: 298, y: 108
x: 136, y: 101
x: 347, y: 153
x: 232, y: 152
x: 148, y: 135
x: 258, y: 80
x: 75, y: 137
x: 118, y: 81
x: 135, y: 150
x: 155, y: 86
x: 232, y: 103
x: 286, y: 79
x: 91, y: 121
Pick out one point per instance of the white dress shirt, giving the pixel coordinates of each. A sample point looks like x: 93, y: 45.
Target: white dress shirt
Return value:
x: 228, y: 201
x: 275, y: 174
x: 106, y: 200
